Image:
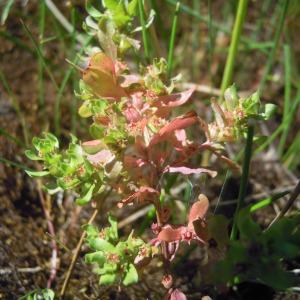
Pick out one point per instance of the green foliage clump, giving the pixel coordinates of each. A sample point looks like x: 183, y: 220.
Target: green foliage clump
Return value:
x: 115, y: 261
x: 260, y: 255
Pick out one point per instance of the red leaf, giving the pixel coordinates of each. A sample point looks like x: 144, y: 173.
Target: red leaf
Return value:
x: 103, y: 157
x: 199, y: 208
x: 182, y: 122
x: 144, y: 194
x: 174, y: 100
x: 188, y: 171
x: 169, y: 234
x: 100, y: 76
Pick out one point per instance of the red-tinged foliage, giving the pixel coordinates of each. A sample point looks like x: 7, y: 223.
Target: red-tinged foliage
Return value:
x: 144, y: 194
x: 178, y: 123
x: 101, y: 77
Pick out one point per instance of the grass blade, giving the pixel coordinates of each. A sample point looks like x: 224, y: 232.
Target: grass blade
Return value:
x: 6, y: 11
x: 267, y: 201
x: 144, y: 29
x: 172, y: 40
x: 287, y: 96
x: 41, y: 96
x: 61, y: 90
x: 16, y: 106
x: 237, y: 29
x: 40, y: 55
x: 277, y: 35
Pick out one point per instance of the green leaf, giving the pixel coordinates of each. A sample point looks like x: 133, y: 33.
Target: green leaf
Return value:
x: 85, y: 110
x: 107, y: 279
x: 32, y: 155
x: 52, y: 188
x: 51, y: 137
x: 92, y: 11
x: 87, y: 197
x: 131, y: 275
x: 113, y: 232
x: 48, y: 294
x: 91, y: 230
x: 101, y: 245
x: 95, y: 257
x: 247, y: 227
x: 132, y: 7
x: 270, y: 110
x: 97, y: 131
x: 251, y: 104
x: 32, y: 173
x: 148, y: 23
x: 231, y: 98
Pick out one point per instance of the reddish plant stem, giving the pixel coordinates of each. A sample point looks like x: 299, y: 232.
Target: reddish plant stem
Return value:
x: 53, y: 261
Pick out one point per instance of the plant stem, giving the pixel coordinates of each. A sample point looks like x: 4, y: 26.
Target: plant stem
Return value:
x: 42, y: 16
x: 275, y: 45
x: 172, y: 40
x: 144, y: 32
x: 244, y: 179
x: 287, y: 99
x: 75, y: 256
x: 237, y: 29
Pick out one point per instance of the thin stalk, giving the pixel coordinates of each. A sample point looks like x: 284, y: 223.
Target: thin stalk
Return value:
x: 16, y: 106
x: 195, y: 36
x: 244, y: 180
x: 40, y: 55
x: 292, y: 153
x: 277, y: 36
x: 210, y: 40
x: 153, y: 34
x: 287, y: 98
x: 42, y: 15
x: 9, y: 136
x: 267, y: 201
x: 13, y: 164
x: 159, y: 22
x: 18, y: 42
x: 144, y: 29
x: 74, y: 98
x: 172, y: 40
x: 219, y: 26
x: 61, y: 90
x: 237, y: 29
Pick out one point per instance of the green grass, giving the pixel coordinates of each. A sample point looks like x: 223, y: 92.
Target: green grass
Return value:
x: 42, y: 17
x: 233, y: 49
x: 277, y: 35
x: 287, y: 99
x: 14, y: 102
x: 144, y: 30
x: 172, y: 40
